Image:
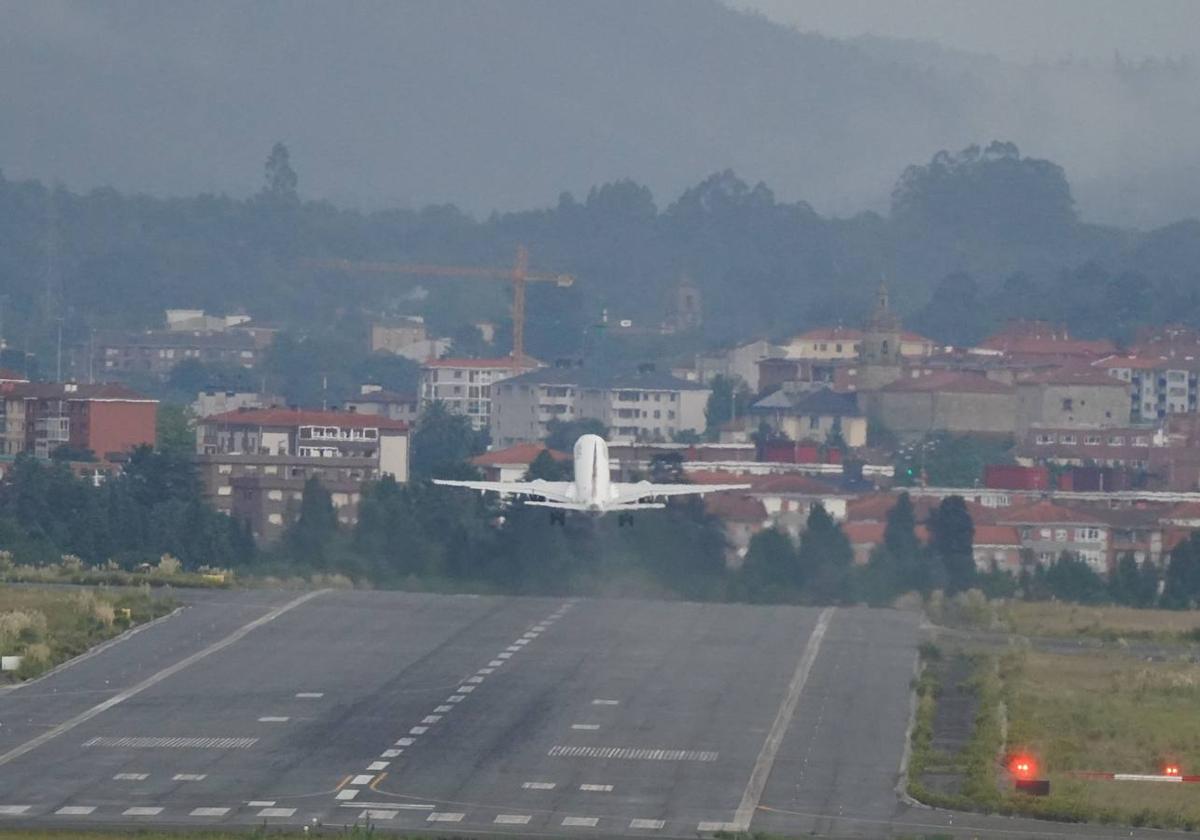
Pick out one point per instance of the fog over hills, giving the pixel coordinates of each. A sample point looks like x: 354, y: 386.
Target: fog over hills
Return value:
x: 505, y: 105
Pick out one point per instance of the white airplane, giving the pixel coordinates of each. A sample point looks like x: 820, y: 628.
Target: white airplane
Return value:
x: 592, y: 491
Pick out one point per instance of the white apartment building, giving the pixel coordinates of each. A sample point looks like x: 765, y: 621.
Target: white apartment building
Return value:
x: 465, y: 385
x: 1160, y: 386
x: 640, y: 406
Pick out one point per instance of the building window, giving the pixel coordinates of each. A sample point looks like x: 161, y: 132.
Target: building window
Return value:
x: 275, y: 518
x: 225, y: 490
x: 1068, y: 404
x: 1087, y: 534
x: 1060, y: 535
x: 1044, y: 439
x: 1069, y: 440
x: 1116, y: 440
x: 275, y: 495
x: 1091, y: 440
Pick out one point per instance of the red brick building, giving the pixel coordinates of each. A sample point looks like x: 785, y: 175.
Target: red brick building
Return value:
x: 40, y: 417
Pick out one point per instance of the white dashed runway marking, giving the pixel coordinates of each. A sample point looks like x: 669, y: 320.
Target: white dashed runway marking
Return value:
x: 391, y: 753
x: 276, y: 812
x: 431, y: 718
x: 405, y: 742
x: 142, y: 812
x: 442, y: 816
x: 364, y: 779
x: 13, y: 810
x: 141, y: 743
x: 418, y: 730
x: 512, y: 819
x: 647, y: 824
x: 273, y: 719
x: 600, y: 702
x: 310, y: 695
x: 443, y: 709
x: 260, y: 803
x: 209, y: 812
x: 377, y: 814
x: 75, y: 810
x: 632, y: 754
x: 189, y: 777
x: 466, y: 689
x: 131, y: 777
x: 586, y: 727
x: 596, y: 788
x: 377, y: 765
x: 538, y: 785
x: 346, y: 795
x: 715, y: 826
x: 581, y: 822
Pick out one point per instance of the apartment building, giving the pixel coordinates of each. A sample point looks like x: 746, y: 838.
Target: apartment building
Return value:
x: 1159, y: 385
x: 634, y: 406
x: 1047, y: 529
x: 108, y: 420
x: 254, y: 463
x: 156, y: 352
x: 845, y: 343
x: 465, y: 386
x: 374, y: 399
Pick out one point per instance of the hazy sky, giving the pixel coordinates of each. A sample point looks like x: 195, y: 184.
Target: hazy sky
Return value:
x: 1020, y: 30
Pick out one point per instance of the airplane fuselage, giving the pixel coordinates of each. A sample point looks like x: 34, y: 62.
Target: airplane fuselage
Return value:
x: 593, y: 480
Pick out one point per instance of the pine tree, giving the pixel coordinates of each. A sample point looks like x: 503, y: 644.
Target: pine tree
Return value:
x: 951, y: 542
x: 825, y: 558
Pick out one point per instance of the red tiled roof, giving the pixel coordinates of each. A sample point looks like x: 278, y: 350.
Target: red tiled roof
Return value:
x: 505, y: 362
x: 112, y: 391
x: 522, y: 453
x: 871, y: 533
x: 1037, y: 345
x: 875, y: 507
x: 997, y: 535
x: 1046, y: 512
x: 1183, y: 510
x: 304, y: 417
x: 949, y: 383
x: 735, y: 507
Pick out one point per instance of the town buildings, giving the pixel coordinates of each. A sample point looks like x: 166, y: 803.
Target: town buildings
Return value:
x: 374, y: 399
x: 465, y: 386
x: 108, y: 420
x: 818, y: 416
x: 639, y: 405
x: 407, y: 337
x: 254, y: 463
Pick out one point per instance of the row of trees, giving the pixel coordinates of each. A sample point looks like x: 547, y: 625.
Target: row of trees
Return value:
x: 766, y: 266
x: 154, y: 507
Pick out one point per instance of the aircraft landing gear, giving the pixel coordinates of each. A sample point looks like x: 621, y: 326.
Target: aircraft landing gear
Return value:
x: 558, y: 517
x: 624, y: 518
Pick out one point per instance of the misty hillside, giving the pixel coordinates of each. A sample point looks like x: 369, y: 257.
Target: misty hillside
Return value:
x: 503, y: 105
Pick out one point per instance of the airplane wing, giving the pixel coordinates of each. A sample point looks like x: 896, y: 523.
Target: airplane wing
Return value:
x: 627, y: 494
x: 555, y: 491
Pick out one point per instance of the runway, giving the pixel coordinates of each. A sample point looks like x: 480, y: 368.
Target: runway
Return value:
x: 474, y: 715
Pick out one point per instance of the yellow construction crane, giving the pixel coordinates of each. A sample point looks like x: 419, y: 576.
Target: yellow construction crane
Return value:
x: 518, y: 275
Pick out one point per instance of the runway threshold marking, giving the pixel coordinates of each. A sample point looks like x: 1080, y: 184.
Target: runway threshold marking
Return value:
x: 770, y: 748
x: 155, y: 679
x: 13, y: 810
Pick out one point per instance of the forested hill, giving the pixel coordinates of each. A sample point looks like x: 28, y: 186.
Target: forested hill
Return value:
x: 972, y: 237
x: 505, y: 104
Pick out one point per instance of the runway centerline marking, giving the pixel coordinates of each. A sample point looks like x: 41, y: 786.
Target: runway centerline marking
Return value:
x: 274, y: 719
x: 770, y: 748
x: 208, y: 812
x: 189, y: 777
x: 13, y: 810
x: 310, y: 695
x: 442, y: 816
x: 631, y: 753
x: 586, y: 727
x: 650, y: 824
x: 377, y: 765
x: 276, y: 812
x: 512, y: 819
x: 131, y: 777
x: 155, y: 679
x: 139, y: 811
x: 597, y: 788
x: 75, y: 810
x: 149, y: 743
x: 363, y: 779
x: 538, y: 785
x: 600, y: 702
x: 581, y: 822
x: 443, y: 709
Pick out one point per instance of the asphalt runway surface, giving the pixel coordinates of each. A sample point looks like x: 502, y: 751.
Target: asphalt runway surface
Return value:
x: 480, y: 715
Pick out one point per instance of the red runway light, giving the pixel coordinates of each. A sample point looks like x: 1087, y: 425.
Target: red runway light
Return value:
x: 1023, y: 766
x: 1171, y: 770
